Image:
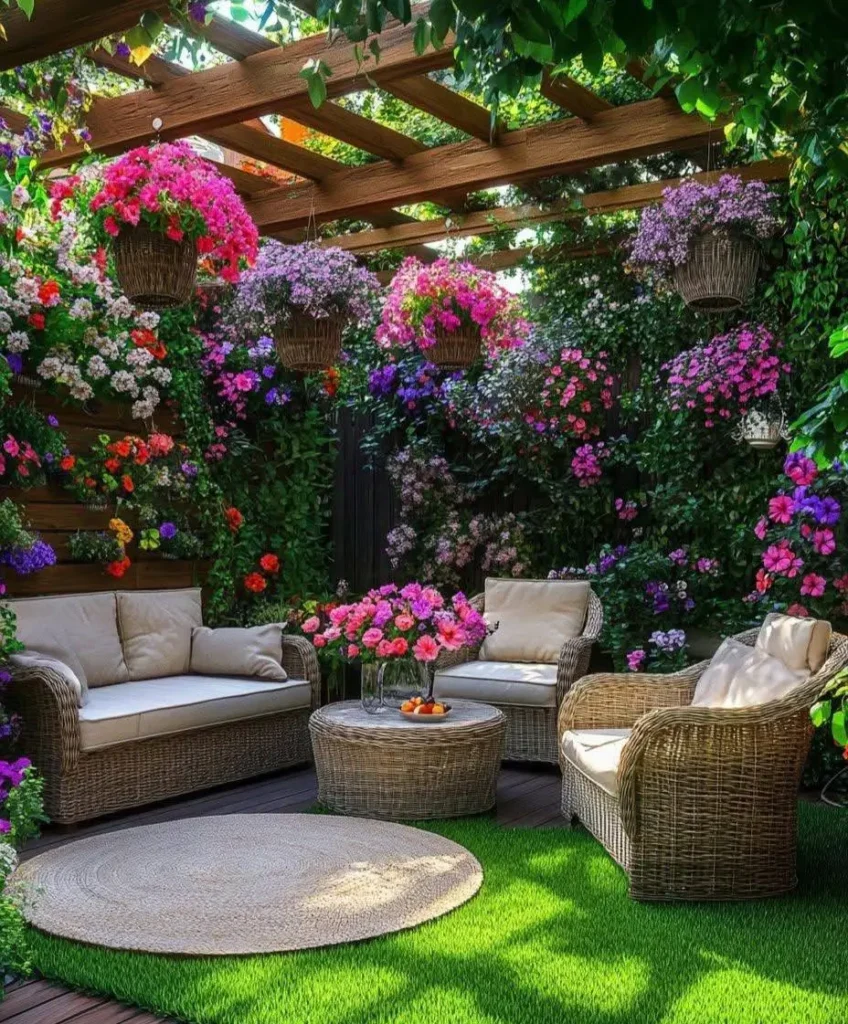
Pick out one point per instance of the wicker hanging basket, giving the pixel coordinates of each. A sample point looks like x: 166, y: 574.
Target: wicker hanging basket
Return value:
x: 308, y: 344
x: 455, y: 350
x: 720, y: 273
x: 154, y: 271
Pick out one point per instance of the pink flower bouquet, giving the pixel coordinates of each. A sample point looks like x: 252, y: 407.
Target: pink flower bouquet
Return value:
x: 413, y: 622
x: 174, y: 192
x: 424, y: 298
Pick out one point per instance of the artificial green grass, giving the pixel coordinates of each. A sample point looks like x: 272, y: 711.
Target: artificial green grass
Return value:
x: 551, y: 938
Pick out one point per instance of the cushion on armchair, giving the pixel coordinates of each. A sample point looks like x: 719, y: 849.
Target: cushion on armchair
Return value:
x: 80, y: 630
x: 156, y: 630
x: 740, y: 676
x: 499, y: 682
x: 801, y: 644
x: 229, y: 651
x: 534, y: 618
x: 596, y: 752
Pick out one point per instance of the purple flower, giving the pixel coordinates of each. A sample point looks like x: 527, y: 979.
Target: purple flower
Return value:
x: 167, y: 531
x: 123, y: 50
x: 28, y: 560
x: 52, y: 420
x: 189, y: 469
x: 5, y: 826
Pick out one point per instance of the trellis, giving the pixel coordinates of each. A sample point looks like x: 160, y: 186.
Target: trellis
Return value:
x: 223, y: 104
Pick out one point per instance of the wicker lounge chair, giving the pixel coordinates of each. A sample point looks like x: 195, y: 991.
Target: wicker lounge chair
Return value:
x: 699, y: 803
x: 528, y: 692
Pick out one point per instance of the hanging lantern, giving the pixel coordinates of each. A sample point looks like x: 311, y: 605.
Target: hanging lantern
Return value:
x: 763, y: 429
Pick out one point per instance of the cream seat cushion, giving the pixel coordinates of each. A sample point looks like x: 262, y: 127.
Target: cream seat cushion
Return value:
x: 228, y: 651
x: 801, y: 644
x: 80, y: 630
x: 534, y: 618
x: 499, y: 682
x: 156, y: 630
x: 160, y: 707
x: 740, y: 676
x: 596, y: 753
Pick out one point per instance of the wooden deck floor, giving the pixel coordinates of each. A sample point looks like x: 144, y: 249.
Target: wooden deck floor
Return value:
x: 528, y: 797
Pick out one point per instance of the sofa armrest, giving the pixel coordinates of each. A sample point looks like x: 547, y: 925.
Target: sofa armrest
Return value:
x: 301, y: 662
x: 48, y: 708
x: 617, y: 700
x: 706, y: 761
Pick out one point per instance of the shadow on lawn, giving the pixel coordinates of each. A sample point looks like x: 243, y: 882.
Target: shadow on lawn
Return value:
x: 551, y: 938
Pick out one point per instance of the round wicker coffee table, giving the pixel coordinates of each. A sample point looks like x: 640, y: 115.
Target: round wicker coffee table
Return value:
x: 386, y: 766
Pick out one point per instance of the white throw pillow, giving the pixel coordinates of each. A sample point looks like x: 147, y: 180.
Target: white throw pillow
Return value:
x: 801, y: 644
x: 740, y: 676
x: 534, y: 618
x: 29, y: 659
x: 229, y: 651
x: 156, y: 630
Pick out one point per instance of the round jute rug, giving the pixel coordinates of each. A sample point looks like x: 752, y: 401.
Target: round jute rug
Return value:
x: 246, y: 883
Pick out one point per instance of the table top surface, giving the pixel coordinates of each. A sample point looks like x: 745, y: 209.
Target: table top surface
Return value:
x: 463, y: 714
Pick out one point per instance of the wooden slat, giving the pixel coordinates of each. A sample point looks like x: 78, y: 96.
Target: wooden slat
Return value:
x: 72, y: 579
x: 487, y: 222
x: 61, y: 24
x: 109, y: 417
x: 230, y: 93
x: 573, y: 96
x: 567, y: 146
x: 16, y: 122
x: 342, y: 124
x: 271, y: 150
x: 442, y: 103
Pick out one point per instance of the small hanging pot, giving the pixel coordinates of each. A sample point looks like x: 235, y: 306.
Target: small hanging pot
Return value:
x: 720, y: 272
x: 763, y: 429
x: 154, y: 271
x: 309, y: 344
x: 455, y: 350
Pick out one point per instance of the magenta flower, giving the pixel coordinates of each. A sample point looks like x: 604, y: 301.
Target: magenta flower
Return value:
x: 781, y: 509
x: 761, y: 528
x: 824, y: 541
x: 813, y: 585
x: 781, y: 559
x: 801, y: 470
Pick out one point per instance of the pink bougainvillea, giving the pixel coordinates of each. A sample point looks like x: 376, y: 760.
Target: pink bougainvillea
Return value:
x: 175, y: 192
x: 424, y: 298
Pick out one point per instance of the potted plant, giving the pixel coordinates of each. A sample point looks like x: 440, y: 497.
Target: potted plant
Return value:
x: 452, y: 312
x: 705, y: 237
x: 734, y: 376
x: 304, y: 296
x: 93, y: 547
x: 163, y: 206
x: 396, y: 634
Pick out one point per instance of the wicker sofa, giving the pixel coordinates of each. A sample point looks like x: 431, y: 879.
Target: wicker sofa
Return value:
x: 694, y: 802
x: 147, y: 727
x: 535, y: 662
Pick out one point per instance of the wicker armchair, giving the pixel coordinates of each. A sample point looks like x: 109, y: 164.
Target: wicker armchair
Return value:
x: 84, y: 784
x: 707, y: 797
x: 531, y: 732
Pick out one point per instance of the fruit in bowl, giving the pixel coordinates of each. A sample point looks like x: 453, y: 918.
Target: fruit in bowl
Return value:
x: 420, y: 706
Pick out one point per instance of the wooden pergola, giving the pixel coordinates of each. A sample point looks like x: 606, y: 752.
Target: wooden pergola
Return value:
x: 223, y: 104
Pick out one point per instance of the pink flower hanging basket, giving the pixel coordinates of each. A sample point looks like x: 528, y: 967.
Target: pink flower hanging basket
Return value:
x: 455, y: 350
x: 154, y: 271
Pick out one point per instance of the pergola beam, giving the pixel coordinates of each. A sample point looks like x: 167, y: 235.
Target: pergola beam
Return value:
x: 563, y: 147
x: 442, y: 103
x: 488, y: 222
x: 565, y: 92
x: 58, y: 25
x: 223, y: 95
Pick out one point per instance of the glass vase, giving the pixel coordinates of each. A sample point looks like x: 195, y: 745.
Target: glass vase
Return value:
x: 402, y: 679
x: 372, y: 690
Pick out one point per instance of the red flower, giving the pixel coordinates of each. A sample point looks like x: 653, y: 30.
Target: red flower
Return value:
x: 255, y: 582
x: 67, y: 463
x: 234, y: 519
x: 270, y: 563
x: 122, y: 448
x: 127, y: 483
x: 113, y: 465
x: 47, y: 292
x: 331, y: 381
x: 36, y: 320
x: 90, y: 482
x: 118, y: 568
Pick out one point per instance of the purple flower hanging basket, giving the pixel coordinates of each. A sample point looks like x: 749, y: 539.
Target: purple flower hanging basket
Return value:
x: 720, y: 272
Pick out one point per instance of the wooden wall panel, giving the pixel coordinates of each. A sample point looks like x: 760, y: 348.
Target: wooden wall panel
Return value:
x: 56, y: 515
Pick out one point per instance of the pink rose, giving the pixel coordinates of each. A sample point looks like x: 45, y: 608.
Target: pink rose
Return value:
x: 400, y: 646
x: 426, y: 649
x: 319, y: 640
x: 385, y: 649
x: 311, y: 624
x: 352, y: 651
x: 332, y: 633
x: 404, y: 621
x: 371, y: 637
